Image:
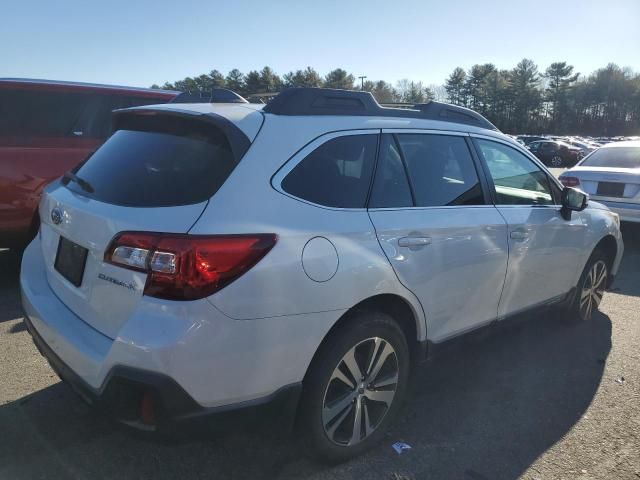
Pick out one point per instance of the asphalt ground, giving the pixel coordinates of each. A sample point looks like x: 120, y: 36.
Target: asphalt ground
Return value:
x: 540, y: 399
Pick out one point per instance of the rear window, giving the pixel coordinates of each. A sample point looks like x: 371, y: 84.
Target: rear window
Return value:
x: 48, y: 113
x: 616, y: 157
x: 158, y: 162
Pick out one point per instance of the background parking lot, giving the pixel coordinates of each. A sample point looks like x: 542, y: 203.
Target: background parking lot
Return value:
x: 539, y: 399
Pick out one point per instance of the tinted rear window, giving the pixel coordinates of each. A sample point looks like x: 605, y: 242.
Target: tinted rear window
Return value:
x: 616, y: 157
x: 48, y: 113
x: 161, y: 162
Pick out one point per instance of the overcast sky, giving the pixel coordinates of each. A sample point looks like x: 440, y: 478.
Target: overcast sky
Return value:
x: 143, y: 42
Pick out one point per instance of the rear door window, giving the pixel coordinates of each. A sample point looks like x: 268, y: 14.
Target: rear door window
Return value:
x: 441, y: 170
x: 336, y: 174
x: 158, y: 162
x: 391, y: 186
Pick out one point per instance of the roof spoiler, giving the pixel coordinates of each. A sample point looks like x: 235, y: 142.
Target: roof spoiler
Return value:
x: 326, y: 101
x: 216, y: 95
x: 134, y: 117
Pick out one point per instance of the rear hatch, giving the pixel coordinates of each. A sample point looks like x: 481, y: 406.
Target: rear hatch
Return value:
x: 156, y: 173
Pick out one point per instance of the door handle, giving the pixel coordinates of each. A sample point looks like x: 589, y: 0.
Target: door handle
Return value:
x: 414, y: 241
x: 519, y: 235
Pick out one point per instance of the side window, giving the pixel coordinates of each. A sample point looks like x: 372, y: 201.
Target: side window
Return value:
x: 336, y: 174
x: 390, y: 187
x: 40, y: 113
x: 517, y: 180
x: 441, y: 170
x: 95, y: 121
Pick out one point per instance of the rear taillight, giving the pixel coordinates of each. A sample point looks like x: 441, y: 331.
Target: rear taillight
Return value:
x: 187, y: 267
x: 569, y: 181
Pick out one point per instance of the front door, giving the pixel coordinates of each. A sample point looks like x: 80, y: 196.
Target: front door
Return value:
x: 446, y: 243
x: 544, y: 248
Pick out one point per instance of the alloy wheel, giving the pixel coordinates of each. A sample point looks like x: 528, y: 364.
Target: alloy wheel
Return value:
x: 360, y: 392
x: 593, y: 289
x: 556, y: 161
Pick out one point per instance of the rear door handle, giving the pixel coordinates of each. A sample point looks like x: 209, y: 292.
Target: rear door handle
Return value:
x: 414, y: 241
x: 519, y: 235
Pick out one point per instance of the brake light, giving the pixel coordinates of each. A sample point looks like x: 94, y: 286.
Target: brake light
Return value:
x: 187, y: 267
x: 569, y: 181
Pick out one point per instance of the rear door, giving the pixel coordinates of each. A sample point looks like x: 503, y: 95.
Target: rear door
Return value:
x: 544, y: 248
x: 156, y: 173
x: 445, y: 242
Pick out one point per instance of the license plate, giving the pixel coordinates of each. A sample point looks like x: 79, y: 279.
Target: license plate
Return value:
x: 70, y: 261
x: 610, y: 189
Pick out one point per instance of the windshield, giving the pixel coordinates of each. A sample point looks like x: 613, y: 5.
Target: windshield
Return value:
x: 176, y: 162
x: 616, y: 157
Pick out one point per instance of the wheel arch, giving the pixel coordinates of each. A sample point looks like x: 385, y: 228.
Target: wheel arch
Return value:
x: 397, y: 307
x: 609, y: 248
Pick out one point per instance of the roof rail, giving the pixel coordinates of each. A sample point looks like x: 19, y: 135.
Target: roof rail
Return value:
x: 216, y: 95
x: 327, y: 101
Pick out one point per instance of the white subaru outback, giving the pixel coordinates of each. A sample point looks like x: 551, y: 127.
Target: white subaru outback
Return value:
x: 210, y: 258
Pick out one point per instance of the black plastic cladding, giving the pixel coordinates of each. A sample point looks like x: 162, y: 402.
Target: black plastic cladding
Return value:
x: 327, y: 101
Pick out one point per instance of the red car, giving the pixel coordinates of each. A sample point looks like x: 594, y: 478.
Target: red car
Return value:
x: 46, y: 128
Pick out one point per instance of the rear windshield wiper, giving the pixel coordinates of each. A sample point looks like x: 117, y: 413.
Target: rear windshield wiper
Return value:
x: 72, y: 177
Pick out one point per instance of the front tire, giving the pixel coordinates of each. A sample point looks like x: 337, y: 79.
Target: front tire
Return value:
x: 355, y: 386
x: 591, y: 287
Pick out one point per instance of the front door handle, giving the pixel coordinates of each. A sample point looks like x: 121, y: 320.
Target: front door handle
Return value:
x: 414, y: 241
x: 519, y: 235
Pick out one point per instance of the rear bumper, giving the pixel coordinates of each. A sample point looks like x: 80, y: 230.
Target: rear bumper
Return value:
x: 190, y: 358
x: 169, y: 409
x: 629, y: 212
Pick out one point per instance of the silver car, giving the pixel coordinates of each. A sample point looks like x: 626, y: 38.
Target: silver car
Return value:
x: 611, y: 175
x: 299, y: 258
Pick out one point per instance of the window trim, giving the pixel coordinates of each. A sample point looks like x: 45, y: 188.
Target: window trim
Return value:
x: 517, y: 147
x: 304, y: 152
x: 486, y: 191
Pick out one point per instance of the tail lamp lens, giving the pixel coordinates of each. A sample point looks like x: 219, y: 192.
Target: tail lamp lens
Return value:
x: 187, y: 267
x: 569, y: 181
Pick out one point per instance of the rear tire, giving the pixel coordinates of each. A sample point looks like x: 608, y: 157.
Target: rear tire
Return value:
x: 590, y: 288
x: 354, y: 387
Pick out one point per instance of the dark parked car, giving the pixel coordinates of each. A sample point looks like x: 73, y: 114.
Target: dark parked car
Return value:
x: 46, y: 128
x: 554, y: 153
x: 527, y: 139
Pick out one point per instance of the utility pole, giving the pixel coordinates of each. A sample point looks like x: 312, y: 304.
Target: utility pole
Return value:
x: 362, y: 77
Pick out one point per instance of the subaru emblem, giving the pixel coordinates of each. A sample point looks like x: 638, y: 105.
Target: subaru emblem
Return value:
x: 56, y: 216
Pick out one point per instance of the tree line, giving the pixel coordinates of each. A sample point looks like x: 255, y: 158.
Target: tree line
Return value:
x: 523, y: 99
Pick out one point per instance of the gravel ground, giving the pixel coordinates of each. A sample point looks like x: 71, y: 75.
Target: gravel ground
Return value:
x: 541, y: 399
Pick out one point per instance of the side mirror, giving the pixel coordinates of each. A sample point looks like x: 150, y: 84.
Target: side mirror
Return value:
x: 573, y: 200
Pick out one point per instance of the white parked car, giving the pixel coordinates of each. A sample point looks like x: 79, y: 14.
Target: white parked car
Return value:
x: 214, y: 258
x: 611, y: 175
